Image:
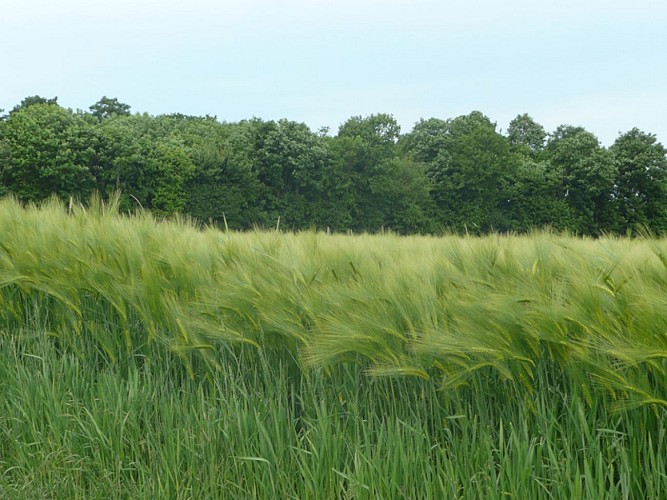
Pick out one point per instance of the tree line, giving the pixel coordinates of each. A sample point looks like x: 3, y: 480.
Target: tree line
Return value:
x: 460, y: 174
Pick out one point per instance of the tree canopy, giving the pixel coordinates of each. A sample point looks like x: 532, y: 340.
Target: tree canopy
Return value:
x: 459, y: 174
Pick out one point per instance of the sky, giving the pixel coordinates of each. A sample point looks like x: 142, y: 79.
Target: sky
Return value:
x: 600, y: 64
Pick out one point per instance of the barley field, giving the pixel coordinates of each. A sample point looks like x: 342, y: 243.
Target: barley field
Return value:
x: 144, y: 358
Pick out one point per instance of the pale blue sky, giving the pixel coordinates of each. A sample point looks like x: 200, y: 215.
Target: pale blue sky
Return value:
x: 599, y: 64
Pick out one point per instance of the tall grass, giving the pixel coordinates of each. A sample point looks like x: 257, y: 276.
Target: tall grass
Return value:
x: 151, y: 358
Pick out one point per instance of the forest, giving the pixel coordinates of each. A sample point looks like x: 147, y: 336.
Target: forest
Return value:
x: 457, y: 175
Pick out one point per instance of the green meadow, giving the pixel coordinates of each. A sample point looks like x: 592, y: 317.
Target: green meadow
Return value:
x: 145, y: 358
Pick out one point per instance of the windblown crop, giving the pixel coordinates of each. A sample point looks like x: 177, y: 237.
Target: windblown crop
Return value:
x: 536, y: 320
x: 591, y: 310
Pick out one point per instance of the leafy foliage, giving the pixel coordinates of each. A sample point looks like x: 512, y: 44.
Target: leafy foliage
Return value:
x: 588, y: 174
x: 108, y: 107
x: 388, y: 191
x: 47, y: 150
x: 458, y: 175
x: 469, y: 167
x: 526, y: 135
x: 641, y: 182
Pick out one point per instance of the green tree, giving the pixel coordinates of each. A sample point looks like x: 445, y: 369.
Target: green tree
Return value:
x: 46, y: 150
x: 107, y: 107
x: 386, y: 190
x: 354, y: 162
x: 144, y: 158
x: 404, y: 191
x: 32, y: 100
x: 379, y: 133
x: 537, y: 198
x: 588, y: 173
x: 224, y: 187
x: 292, y: 165
x: 469, y: 166
x: 526, y: 136
x: 641, y: 181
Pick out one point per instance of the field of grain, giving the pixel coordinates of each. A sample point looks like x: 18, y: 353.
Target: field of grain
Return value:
x: 143, y: 358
